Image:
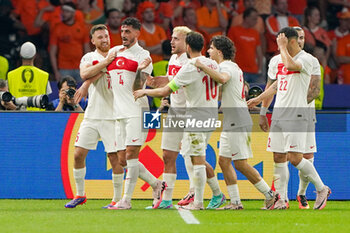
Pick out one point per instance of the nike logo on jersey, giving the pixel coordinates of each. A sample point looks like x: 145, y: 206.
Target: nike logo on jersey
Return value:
x: 293, y: 146
x: 312, y: 147
x: 134, y: 140
x: 234, y: 154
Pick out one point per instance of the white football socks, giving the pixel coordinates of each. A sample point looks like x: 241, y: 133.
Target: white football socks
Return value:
x: 234, y: 194
x: 189, y: 169
x: 308, y: 170
x: 146, y: 176
x: 264, y: 188
x: 199, y: 180
x: 170, y: 179
x: 303, y: 181
x: 281, y: 178
x: 79, y: 177
x: 117, y: 180
x: 214, y: 185
x: 131, y: 178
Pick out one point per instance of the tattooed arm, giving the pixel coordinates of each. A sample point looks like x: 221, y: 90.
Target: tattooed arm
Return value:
x: 141, y: 77
x: 314, y: 88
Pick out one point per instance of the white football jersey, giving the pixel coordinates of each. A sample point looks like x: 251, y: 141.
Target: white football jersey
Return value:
x: 100, y: 104
x: 292, y: 87
x: 177, y: 98
x: 200, y: 89
x: 123, y: 72
x: 233, y: 103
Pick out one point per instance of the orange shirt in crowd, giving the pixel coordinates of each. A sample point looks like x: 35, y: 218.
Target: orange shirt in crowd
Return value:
x: 153, y: 39
x: 297, y: 7
x: 319, y: 34
x: 209, y: 19
x: 272, y: 28
x: 28, y: 10
x: 54, y: 17
x: 116, y: 38
x: 246, y: 41
x: 343, y: 49
x: 69, y: 41
x: 259, y: 26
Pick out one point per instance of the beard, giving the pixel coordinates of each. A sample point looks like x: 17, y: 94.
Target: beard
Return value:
x: 103, y: 48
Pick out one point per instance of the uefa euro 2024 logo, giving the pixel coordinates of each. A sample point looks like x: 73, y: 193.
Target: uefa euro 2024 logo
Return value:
x: 151, y: 120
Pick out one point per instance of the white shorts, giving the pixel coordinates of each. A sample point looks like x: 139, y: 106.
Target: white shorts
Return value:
x: 129, y: 132
x: 172, y: 141
x: 195, y: 143
x: 91, y: 131
x: 310, y: 146
x: 287, y: 136
x: 236, y: 145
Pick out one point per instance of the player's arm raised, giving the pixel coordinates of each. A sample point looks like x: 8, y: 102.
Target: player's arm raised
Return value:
x: 314, y: 88
x: 90, y: 71
x: 287, y: 60
x: 217, y: 76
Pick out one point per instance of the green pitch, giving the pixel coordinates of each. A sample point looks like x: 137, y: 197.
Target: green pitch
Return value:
x: 51, y: 216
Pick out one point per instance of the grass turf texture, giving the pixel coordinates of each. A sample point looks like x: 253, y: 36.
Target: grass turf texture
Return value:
x: 51, y: 216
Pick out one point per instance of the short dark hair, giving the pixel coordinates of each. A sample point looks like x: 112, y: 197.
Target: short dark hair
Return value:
x: 108, y: 12
x: 289, y: 32
x: 166, y: 47
x: 97, y: 27
x: 248, y: 11
x: 225, y: 45
x: 70, y: 82
x: 133, y: 22
x: 3, y: 83
x: 195, y: 40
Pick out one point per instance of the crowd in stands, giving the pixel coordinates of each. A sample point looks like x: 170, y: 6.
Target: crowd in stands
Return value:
x: 59, y: 30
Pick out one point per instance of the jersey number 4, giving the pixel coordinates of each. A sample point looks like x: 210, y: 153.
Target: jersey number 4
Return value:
x: 211, y: 88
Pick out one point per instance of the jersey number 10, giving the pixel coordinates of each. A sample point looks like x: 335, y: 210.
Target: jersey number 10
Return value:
x: 211, y: 88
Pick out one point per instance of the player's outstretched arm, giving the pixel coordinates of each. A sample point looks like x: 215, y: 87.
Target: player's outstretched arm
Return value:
x: 217, y: 76
x: 158, y: 92
x: 90, y: 71
x: 314, y: 88
x: 156, y: 82
x: 270, y: 92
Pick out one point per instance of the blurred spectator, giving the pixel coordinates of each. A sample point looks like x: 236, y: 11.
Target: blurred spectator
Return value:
x: 246, y: 38
x: 275, y: 22
x: 130, y: 8
x: 67, y: 87
x: 27, y: 11
x: 238, y: 19
x: 312, y: 29
x: 69, y: 40
x: 163, y: 14
x: 160, y: 68
x: 5, y: 105
x: 190, y: 20
x: 212, y: 18
x: 151, y: 34
x: 179, y: 6
x: 296, y: 8
x: 11, y: 32
x: 93, y: 10
x: 264, y: 8
x: 114, y: 19
x: 343, y: 57
x: 110, y: 4
x: 333, y: 7
x: 28, y: 80
x: 335, y: 35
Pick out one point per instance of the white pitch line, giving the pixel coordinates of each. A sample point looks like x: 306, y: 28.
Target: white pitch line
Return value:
x: 187, y: 216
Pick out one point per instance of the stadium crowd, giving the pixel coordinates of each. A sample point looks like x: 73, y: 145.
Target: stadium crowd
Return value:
x: 59, y: 30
